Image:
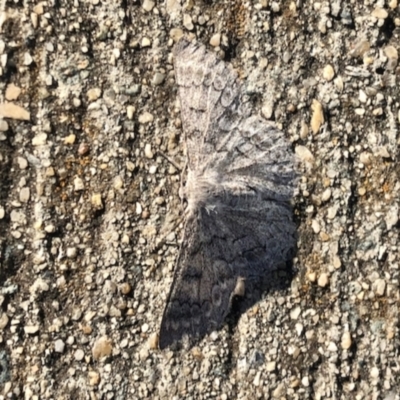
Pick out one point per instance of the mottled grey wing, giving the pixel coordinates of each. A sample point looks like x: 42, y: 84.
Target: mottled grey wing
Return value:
x: 221, y: 135
x: 240, y: 237
x: 203, y: 282
x: 207, y: 89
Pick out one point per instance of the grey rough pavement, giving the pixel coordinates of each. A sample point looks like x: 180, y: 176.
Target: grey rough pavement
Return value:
x: 89, y: 102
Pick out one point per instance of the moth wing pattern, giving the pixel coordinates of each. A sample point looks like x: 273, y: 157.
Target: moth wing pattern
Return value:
x: 240, y: 179
x: 203, y: 283
x: 207, y: 88
x: 219, y: 247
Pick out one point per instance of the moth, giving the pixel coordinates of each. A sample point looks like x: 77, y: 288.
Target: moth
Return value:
x: 241, y: 176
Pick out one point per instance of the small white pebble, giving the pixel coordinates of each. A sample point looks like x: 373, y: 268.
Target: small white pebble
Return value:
x: 215, y: 40
x: 153, y: 169
x: 27, y: 59
x: 59, y: 346
x: 328, y: 73
x: 130, y: 111
x: 326, y: 195
x: 271, y: 366
x: 31, y: 329
x: 315, y: 226
x: 93, y: 94
x: 374, y: 373
x: 78, y: 184
x: 346, y: 341
x: 294, y: 314
x: 299, y: 329
x: 187, y: 22
x: 79, y: 354
x: 147, y: 151
x: 146, y: 42
x: 146, y: 118
x: 71, y: 252
x: 304, y: 154
x: 323, y: 280
x: 148, y: 5
x: 305, y: 381
x: 332, y: 347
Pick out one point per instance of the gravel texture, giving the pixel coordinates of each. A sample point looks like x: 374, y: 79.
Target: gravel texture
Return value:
x: 90, y: 211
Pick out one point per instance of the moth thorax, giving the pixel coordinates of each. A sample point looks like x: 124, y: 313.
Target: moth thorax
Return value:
x: 200, y: 186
